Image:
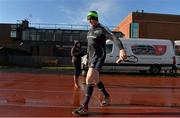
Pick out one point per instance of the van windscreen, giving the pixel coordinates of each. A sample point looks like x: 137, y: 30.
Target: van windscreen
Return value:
x: 109, y: 48
x: 177, y: 50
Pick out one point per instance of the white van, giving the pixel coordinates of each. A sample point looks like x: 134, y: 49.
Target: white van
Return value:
x: 144, y: 55
x: 153, y: 55
x: 177, y: 53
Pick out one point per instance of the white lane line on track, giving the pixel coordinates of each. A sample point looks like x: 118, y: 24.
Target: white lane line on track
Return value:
x: 123, y: 107
x: 25, y: 90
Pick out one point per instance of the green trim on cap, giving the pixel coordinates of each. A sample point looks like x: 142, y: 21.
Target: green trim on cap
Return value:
x: 92, y: 14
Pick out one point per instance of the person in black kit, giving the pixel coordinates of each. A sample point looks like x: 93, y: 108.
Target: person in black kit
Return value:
x: 97, y: 36
x: 76, y: 53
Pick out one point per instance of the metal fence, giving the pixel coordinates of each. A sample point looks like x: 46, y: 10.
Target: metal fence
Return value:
x: 63, y: 26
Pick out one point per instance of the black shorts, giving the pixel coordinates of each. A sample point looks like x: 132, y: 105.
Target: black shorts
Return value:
x: 77, y: 69
x: 96, y: 62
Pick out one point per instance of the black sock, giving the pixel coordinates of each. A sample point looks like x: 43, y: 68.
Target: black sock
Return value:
x: 89, y: 91
x: 100, y: 85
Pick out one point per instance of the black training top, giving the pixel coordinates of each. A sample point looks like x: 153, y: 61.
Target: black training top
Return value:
x: 97, y: 37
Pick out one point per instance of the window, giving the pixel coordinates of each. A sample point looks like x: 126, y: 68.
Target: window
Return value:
x: 109, y: 48
x: 58, y: 35
x: 83, y: 36
x: 66, y: 38
x: 134, y: 30
x: 33, y: 34
x: 13, y: 33
x: 25, y: 35
x: 177, y: 50
x: 49, y: 35
x: 149, y: 50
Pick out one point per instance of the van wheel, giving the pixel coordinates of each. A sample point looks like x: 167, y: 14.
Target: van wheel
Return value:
x: 143, y: 71
x: 155, y: 70
x: 173, y: 71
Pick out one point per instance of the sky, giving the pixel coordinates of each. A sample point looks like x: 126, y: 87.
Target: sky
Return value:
x: 111, y: 12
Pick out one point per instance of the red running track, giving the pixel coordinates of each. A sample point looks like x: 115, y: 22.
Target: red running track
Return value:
x: 24, y: 94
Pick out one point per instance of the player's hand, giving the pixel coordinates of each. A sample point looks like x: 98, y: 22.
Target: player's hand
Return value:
x: 122, y: 56
x: 119, y: 61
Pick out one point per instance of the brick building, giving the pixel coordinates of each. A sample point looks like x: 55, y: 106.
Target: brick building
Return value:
x: 11, y: 34
x: 150, y: 25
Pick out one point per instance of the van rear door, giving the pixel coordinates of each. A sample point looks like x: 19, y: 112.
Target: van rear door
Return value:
x: 177, y: 52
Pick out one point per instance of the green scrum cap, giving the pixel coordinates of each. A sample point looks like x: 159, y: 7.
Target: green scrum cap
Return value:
x: 92, y: 15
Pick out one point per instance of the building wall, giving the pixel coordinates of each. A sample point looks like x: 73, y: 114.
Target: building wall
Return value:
x: 6, y: 39
x: 51, y: 42
x: 5, y: 34
x: 161, y: 26
x: 124, y: 26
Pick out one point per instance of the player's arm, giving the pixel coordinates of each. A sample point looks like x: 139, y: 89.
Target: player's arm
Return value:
x: 118, y: 43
